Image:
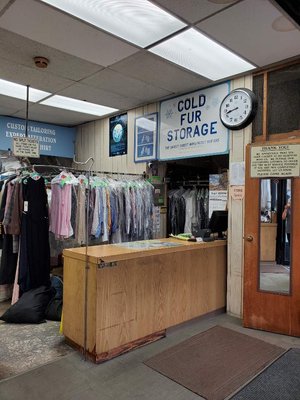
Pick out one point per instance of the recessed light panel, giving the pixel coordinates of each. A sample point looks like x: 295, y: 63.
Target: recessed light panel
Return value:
x: 68, y: 103
x: 137, y: 21
x: 196, y: 52
x: 20, y: 91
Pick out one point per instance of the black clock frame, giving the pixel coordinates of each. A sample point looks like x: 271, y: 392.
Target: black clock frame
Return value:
x: 250, y: 118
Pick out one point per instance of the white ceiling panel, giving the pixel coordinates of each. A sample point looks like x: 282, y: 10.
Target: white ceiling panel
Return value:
x: 194, y: 10
x: 9, y: 105
x: 54, y: 115
x: 38, y: 79
x: 40, y: 22
x: 99, y: 96
x: 247, y: 30
x: 154, y: 70
x: 18, y: 49
x: 126, y: 86
x: 3, y: 3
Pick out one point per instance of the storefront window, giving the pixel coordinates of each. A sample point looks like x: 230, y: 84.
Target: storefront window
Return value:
x: 278, y: 94
x: 258, y: 89
x: 284, y: 100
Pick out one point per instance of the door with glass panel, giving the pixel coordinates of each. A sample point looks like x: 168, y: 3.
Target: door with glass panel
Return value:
x: 272, y: 254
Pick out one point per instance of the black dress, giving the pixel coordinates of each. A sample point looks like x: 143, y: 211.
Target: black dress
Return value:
x: 34, y: 264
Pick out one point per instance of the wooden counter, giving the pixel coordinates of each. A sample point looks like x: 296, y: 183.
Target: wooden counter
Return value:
x: 137, y: 290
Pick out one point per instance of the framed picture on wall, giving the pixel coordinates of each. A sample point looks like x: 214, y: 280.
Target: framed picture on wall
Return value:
x: 145, y: 138
x: 118, y: 135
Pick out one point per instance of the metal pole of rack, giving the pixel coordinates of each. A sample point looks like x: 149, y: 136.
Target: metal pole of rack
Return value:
x: 86, y: 251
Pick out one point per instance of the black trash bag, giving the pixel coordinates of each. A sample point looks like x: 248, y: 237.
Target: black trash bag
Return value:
x: 54, y: 308
x: 31, y: 307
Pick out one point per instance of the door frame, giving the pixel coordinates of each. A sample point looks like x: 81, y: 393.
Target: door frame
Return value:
x: 273, y: 312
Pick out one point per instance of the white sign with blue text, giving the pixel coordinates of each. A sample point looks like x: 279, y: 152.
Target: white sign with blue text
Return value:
x: 190, y: 125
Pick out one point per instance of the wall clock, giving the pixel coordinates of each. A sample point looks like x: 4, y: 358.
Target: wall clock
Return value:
x: 238, y: 108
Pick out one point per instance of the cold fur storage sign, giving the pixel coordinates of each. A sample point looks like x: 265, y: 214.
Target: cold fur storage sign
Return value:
x: 190, y: 125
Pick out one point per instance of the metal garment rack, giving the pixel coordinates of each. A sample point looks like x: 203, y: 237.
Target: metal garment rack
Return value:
x: 89, y: 171
x: 86, y: 249
x: 61, y: 167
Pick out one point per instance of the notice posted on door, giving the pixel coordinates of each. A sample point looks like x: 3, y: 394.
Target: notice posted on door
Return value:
x: 275, y: 161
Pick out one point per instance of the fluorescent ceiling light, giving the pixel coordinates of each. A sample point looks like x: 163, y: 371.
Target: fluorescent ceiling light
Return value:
x: 196, y: 52
x: 77, y: 105
x: 20, y: 91
x: 137, y: 21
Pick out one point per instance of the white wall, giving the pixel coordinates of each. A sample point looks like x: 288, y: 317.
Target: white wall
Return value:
x: 237, y: 147
x: 93, y: 141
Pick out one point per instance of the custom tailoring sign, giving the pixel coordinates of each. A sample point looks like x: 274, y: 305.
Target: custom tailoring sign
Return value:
x: 53, y: 140
x: 145, y: 134
x: 275, y: 161
x: 190, y: 125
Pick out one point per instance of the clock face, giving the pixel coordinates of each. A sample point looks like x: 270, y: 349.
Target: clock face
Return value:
x: 238, y: 109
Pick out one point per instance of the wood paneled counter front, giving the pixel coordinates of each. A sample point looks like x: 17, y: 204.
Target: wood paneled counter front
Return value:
x: 136, y: 290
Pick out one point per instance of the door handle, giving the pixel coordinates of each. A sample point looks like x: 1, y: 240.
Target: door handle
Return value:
x: 249, y: 238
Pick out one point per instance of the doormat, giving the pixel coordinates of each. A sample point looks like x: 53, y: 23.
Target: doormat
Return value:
x: 215, y: 363
x: 27, y: 346
x: 280, y: 381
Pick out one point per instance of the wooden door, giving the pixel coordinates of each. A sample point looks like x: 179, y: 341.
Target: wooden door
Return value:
x: 268, y: 310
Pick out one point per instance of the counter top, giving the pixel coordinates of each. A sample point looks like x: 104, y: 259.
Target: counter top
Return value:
x: 143, y: 248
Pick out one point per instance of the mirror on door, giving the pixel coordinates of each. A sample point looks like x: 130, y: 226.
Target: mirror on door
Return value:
x: 275, y: 235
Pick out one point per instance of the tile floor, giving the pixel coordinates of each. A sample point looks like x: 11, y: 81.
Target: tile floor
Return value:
x: 123, y: 378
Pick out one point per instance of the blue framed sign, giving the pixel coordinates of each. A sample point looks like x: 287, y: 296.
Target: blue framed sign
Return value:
x: 190, y: 124
x: 118, y: 135
x: 145, y: 138
x: 54, y: 140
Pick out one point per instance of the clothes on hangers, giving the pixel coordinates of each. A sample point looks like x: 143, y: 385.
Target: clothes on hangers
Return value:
x: 187, y: 208
x: 34, y: 266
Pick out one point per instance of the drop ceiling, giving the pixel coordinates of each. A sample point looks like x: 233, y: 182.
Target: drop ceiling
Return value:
x: 87, y: 63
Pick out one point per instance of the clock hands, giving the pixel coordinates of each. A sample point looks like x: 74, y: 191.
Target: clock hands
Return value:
x: 228, y: 112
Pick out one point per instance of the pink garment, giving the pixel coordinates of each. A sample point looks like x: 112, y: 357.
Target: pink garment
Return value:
x: 16, y: 288
x: 60, y: 211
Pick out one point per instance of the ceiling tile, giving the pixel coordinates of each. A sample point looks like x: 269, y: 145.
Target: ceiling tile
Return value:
x: 154, y: 70
x: 51, y: 27
x: 248, y: 31
x: 99, y: 96
x: 54, y: 115
x: 124, y: 85
x: 191, y: 10
x: 19, y: 49
x: 10, y: 105
x: 38, y: 79
x: 3, y: 3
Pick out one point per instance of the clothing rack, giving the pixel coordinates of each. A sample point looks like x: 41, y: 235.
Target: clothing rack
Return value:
x: 190, y: 182
x: 61, y: 167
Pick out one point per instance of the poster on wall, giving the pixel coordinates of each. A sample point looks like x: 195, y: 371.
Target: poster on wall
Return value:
x: 190, y: 125
x: 218, y: 184
x: 118, y: 135
x: 54, y: 140
x: 145, y: 137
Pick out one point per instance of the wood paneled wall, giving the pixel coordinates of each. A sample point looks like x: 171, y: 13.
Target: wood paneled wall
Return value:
x: 92, y: 140
x: 235, y: 264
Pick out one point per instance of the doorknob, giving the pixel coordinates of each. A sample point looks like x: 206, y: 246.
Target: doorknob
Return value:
x: 249, y: 238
